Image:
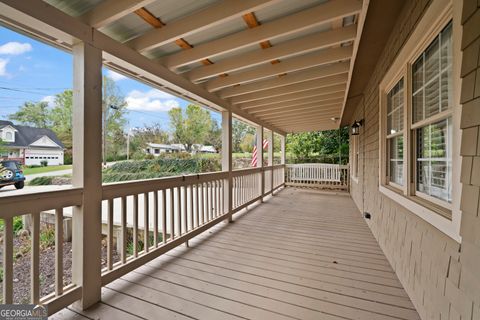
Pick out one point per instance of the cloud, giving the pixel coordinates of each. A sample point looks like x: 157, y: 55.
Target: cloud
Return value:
x: 3, y: 67
x: 152, y: 100
x: 50, y: 100
x: 15, y: 48
x: 115, y: 76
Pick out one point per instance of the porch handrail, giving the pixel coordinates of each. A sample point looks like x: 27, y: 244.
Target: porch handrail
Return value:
x: 166, y: 213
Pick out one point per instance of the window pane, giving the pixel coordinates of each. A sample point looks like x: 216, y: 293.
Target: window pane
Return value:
x: 434, y: 160
x: 396, y: 159
x: 395, y: 108
x: 431, y: 81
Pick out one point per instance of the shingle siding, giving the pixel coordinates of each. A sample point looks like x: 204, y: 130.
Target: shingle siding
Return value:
x: 441, y: 276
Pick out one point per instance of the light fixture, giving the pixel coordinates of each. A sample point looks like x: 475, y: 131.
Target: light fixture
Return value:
x: 356, y: 127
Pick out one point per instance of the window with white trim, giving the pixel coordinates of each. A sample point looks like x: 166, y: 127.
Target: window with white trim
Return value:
x: 417, y: 124
x: 355, y: 154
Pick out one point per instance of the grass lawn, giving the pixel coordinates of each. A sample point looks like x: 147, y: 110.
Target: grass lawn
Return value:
x: 27, y: 171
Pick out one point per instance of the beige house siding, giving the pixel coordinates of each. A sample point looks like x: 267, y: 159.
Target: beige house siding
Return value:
x: 440, y: 275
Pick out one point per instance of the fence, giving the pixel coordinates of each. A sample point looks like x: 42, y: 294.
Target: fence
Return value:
x: 144, y: 219
x: 320, y: 175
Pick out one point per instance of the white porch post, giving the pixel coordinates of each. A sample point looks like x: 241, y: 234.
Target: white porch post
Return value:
x: 283, y: 154
x: 87, y: 173
x: 227, y: 159
x: 270, y: 158
x: 259, y: 134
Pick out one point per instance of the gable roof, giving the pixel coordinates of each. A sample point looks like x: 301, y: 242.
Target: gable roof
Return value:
x: 27, y: 135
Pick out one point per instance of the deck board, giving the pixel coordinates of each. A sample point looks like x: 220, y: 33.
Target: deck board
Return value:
x: 300, y: 255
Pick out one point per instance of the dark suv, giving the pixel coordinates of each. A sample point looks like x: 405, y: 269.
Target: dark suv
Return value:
x: 11, y: 173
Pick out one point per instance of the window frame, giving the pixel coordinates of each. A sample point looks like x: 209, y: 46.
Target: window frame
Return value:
x: 356, y: 157
x: 441, y: 214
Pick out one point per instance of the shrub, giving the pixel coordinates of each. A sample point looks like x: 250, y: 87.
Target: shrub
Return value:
x: 17, y: 224
x: 47, y: 237
x: 41, y: 181
x: 44, y: 163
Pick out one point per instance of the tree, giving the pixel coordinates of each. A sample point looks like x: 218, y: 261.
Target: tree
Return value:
x: 36, y: 114
x: 214, y: 137
x: 114, y: 108
x: 247, y: 142
x: 239, y: 131
x: 190, y: 127
x: 3, y: 149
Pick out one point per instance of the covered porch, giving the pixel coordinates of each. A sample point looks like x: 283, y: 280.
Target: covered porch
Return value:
x: 302, y: 254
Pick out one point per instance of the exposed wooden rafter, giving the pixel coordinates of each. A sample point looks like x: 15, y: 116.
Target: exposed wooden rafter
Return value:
x: 285, y: 49
x: 197, y: 22
x: 297, y: 87
x: 292, y: 78
x: 293, y: 96
x: 314, y: 59
x: 327, y: 101
x: 323, y: 13
x: 299, y: 102
x: 109, y: 11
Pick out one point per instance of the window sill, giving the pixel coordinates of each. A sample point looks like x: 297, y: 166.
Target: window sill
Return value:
x: 438, y: 217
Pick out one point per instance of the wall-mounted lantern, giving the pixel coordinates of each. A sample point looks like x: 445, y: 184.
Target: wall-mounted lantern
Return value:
x: 356, y: 127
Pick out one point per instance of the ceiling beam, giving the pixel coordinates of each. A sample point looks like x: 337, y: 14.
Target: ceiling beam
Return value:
x: 299, y: 102
x: 293, y: 96
x: 109, y: 11
x: 312, y: 112
x: 297, y: 87
x: 319, y: 126
x: 286, y: 49
x: 327, y: 102
x: 303, y: 20
x: 197, y: 22
x: 309, y: 121
x: 293, y: 64
x: 292, y: 78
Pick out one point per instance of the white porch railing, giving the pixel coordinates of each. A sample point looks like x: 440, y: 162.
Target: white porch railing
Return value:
x: 144, y: 220
x: 322, y: 175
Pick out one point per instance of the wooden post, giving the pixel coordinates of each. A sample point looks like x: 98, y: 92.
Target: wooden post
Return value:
x: 259, y: 130
x: 87, y: 173
x: 283, y: 155
x: 270, y: 158
x: 227, y: 160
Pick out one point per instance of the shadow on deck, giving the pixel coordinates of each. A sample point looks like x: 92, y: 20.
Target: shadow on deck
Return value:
x: 301, y: 255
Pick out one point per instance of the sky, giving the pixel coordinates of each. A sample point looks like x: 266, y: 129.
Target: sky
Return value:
x: 33, y: 71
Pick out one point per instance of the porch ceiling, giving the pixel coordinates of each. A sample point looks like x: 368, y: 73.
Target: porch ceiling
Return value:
x: 287, y: 64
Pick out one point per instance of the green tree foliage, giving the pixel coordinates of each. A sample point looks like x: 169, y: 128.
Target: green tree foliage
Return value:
x: 36, y: 114
x: 247, y: 142
x: 239, y: 131
x: 332, y: 144
x: 214, y: 137
x: 191, y: 126
x: 114, y: 108
x: 3, y: 149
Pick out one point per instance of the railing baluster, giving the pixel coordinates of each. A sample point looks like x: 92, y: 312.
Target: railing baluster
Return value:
x: 192, y: 226
x: 155, y: 218
x: 135, y: 225
x: 58, y: 251
x: 179, y: 212
x: 172, y: 214
x: 197, y: 205
x: 8, y: 261
x: 35, y: 259
x: 164, y: 216
x: 146, y: 222
x: 185, y: 209
x: 110, y: 235
x: 124, y: 230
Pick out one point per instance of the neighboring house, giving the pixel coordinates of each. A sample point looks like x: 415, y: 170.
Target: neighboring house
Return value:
x: 30, y: 145
x: 158, y: 148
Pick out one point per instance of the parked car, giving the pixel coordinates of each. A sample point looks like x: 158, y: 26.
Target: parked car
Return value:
x: 11, y: 174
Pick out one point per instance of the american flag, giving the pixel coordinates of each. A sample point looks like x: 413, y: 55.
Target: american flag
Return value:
x: 255, y: 154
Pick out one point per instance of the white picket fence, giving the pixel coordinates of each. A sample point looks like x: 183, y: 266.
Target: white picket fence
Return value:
x: 322, y: 175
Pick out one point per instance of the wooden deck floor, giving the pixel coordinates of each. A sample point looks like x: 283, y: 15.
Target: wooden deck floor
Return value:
x: 301, y: 255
